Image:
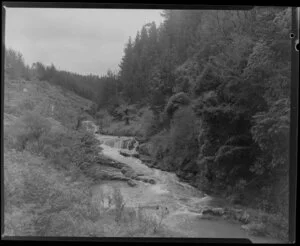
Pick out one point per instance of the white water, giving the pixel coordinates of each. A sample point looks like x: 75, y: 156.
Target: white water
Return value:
x: 182, y: 200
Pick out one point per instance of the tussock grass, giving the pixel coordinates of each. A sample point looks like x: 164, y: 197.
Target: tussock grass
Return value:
x: 40, y: 97
x: 40, y: 202
x: 47, y: 186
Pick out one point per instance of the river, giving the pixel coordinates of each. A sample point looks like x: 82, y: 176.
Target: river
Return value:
x: 182, y: 200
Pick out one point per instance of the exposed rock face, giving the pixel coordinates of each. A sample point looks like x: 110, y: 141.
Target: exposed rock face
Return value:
x: 109, y: 174
x: 145, y: 159
x: 126, y: 154
x: 108, y: 162
x: 136, y: 155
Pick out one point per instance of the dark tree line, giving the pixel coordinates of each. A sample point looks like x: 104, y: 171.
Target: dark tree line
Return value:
x: 234, y: 66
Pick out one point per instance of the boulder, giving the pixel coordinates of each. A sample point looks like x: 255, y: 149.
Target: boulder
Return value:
x: 126, y: 154
x: 135, y: 155
x: 108, y: 162
x: 122, y: 152
x: 128, y: 172
x: 111, y: 176
x: 131, y: 183
x: 146, y: 180
x: 145, y: 159
x: 213, y: 211
x: 152, y: 181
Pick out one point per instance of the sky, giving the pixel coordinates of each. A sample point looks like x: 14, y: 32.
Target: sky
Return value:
x: 84, y: 41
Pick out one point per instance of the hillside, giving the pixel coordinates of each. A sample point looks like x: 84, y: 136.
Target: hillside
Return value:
x: 43, y: 98
x: 50, y: 169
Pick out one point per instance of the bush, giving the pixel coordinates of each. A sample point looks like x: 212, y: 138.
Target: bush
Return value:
x: 176, y: 101
x: 28, y: 129
x: 71, y: 149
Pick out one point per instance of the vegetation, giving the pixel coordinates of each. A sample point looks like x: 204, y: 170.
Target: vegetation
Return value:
x: 228, y: 72
x: 209, y: 89
x: 49, y: 171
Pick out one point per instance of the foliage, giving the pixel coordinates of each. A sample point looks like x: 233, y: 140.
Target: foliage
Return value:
x: 15, y: 66
x: 231, y: 71
x: 175, y: 101
x: 28, y: 129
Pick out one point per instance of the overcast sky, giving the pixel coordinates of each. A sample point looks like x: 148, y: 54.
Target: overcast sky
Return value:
x: 79, y: 40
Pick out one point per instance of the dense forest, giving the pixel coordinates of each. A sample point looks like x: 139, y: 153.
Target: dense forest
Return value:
x: 218, y: 85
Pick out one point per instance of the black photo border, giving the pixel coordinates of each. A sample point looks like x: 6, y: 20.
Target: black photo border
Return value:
x: 293, y: 125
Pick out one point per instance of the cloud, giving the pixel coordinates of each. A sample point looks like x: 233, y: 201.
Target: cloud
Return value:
x: 79, y: 40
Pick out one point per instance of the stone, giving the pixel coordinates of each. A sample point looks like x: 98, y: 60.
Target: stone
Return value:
x: 213, y: 211
x: 124, y: 170
x: 128, y: 172
x: 146, y: 180
x: 152, y: 181
x: 124, y: 153
x: 136, y: 155
x: 145, y: 159
x: 131, y: 183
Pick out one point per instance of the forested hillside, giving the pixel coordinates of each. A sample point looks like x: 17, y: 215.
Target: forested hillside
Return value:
x: 218, y: 84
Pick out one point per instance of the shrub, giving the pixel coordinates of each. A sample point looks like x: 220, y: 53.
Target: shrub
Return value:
x: 28, y: 129
x: 71, y: 150
x: 176, y: 101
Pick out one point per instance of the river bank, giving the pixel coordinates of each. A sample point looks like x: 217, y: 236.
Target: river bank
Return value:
x: 187, y: 206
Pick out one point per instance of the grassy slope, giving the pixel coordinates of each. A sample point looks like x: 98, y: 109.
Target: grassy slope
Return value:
x: 21, y: 95
x: 34, y: 189
x: 42, y: 200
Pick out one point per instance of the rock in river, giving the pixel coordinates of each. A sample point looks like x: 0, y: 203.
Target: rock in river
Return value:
x: 131, y: 183
x: 213, y: 211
